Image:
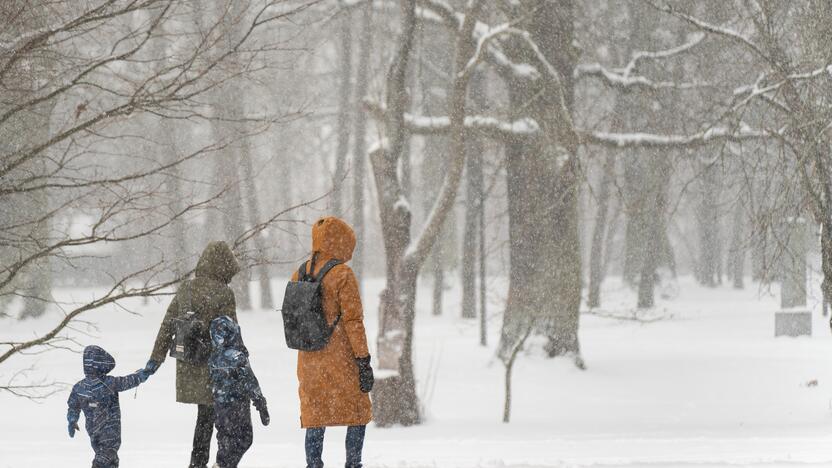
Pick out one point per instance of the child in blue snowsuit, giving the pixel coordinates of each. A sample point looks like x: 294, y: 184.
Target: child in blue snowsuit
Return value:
x: 234, y: 386
x: 97, y: 397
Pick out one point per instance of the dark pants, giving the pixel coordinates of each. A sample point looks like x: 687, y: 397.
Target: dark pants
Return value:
x: 234, y: 432
x: 315, y: 446
x: 105, y: 458
x: 202, y: 436
x: 106, y: 448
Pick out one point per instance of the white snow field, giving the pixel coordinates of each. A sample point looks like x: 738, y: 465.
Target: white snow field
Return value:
x: 707, y: 386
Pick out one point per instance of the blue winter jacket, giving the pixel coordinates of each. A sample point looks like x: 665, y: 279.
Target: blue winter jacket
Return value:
x: 232, y: 379
x: 97, y: 397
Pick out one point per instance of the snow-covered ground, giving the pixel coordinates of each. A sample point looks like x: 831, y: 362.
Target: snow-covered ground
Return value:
x: 708, y: 385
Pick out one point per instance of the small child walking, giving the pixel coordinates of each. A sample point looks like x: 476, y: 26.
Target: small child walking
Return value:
x: 97, y: 397
x: 235, y: 388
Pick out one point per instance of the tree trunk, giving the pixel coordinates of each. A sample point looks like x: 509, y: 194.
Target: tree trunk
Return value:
x: 543, y: 179
x: 708, y: 217
x: 737, y: 248
x: 344, y: 112
x: 473, y: 208
x: 483, y: 267
x: 406, y: 257
x: 253, y: 202
x: 596, y: 261
x: 359, y: 164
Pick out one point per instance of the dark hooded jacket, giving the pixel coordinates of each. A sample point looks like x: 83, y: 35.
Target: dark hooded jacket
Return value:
x: 208, y: 296
x: 97, y: 397
x: 232, y: 378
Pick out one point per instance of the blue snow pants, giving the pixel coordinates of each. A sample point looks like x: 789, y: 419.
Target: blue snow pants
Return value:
x: 234, y: 431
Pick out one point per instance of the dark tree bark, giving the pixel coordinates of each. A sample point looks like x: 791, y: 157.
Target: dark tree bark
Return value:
x: 405, y: 257
x: 543, y: 179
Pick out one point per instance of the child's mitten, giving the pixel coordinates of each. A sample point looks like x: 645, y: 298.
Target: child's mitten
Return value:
x: 263, y: 410
x: 73, y: 426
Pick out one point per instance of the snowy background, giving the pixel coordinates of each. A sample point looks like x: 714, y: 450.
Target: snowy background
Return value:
x: 706, y: 385
x: 640, y: 185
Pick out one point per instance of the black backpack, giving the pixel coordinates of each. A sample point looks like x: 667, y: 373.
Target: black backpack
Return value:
x: 191, y: 341
x: 304, y: 321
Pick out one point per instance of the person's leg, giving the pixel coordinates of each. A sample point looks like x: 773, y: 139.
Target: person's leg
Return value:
x: 105, y: 457
x: 202, y: 436
x: 314, y: 447
x: 234, y: 433
x: 355, y: 445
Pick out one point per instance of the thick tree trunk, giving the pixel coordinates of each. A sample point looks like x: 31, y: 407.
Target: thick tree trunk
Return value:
x: 406, y: 257
x: 396, y: 308
x: 543, y: 179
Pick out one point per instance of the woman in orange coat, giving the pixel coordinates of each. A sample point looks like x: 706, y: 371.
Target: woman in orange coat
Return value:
x: 335, y: 381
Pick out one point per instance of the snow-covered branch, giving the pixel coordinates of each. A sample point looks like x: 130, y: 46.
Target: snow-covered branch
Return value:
x: 438, y: 10
x: 491, y: 127
x: 623, y: 78
x: 648, y: 140
x: 767, y: 92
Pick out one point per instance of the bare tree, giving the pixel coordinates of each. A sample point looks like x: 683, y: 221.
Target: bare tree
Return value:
x: 93, y: 74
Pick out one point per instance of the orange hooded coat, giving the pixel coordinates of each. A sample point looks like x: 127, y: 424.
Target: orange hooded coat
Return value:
x: 329, y: 388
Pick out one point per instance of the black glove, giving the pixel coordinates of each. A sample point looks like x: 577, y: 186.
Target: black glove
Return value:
x: 263, y: 410
x: 365, y: 374
x: 73, y: 426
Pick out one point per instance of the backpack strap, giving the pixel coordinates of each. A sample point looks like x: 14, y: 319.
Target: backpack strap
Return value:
x: 330, y: 265
x: 307, y: 268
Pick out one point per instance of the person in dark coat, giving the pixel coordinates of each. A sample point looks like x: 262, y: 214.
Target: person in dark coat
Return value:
x: 97, y: 397
x: 208, y: 296
x: 235, y: 388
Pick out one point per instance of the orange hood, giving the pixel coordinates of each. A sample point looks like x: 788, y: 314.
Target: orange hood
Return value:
x: 332, y: 237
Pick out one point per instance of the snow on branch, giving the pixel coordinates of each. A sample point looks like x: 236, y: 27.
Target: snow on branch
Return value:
x: 527, y: 128
x: 767, y: 92
x: 623, y: 78
x: 437, y: 125
x: 647, y: 140
x: 439, y: 11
